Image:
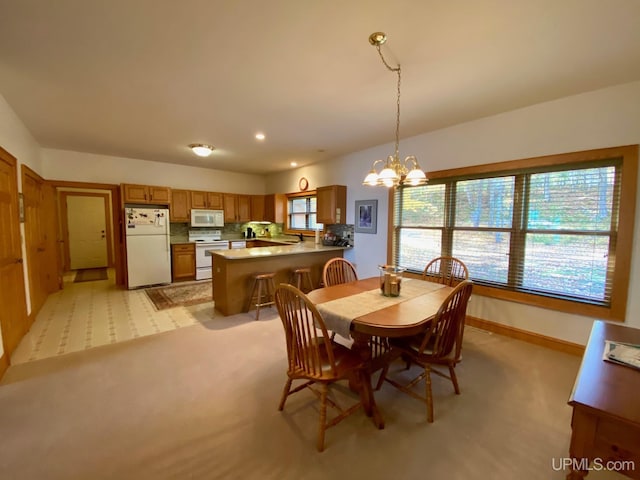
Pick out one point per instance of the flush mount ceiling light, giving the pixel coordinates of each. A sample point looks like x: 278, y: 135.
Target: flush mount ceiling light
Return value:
x: 260, y: 136
x: 394, y: 172
x: 202, y: 149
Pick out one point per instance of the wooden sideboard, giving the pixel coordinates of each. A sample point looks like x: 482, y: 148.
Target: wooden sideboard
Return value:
x: 606, y: 408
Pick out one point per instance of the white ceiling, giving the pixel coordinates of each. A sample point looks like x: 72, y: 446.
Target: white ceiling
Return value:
x: 144, y: 78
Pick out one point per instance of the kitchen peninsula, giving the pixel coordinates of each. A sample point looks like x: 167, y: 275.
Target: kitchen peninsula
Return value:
x: 233, y: 270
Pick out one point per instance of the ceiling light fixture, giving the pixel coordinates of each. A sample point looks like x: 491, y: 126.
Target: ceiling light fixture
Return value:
x: 202, y: 149
x: 394, y: 172
x: 260, y: 136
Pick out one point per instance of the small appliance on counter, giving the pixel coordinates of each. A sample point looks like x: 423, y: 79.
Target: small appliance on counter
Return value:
x: 249, y: 233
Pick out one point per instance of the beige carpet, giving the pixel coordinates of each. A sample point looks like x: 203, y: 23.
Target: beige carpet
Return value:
x: 200, y: 402
x: 181, y: 294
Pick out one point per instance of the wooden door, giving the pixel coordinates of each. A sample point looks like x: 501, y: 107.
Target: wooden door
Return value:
x: 13, y: 314
x: 34, y: 238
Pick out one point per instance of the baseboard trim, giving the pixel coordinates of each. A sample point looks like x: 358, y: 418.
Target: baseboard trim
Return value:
x: 4, y: 364
x: 530, y: 337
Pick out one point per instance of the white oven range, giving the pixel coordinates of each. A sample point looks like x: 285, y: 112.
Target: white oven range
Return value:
x: 206, y: 240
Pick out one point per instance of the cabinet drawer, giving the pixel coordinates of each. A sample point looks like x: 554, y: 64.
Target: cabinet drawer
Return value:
x: 184, y: 248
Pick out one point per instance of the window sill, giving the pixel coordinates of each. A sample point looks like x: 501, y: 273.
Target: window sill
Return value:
x: 560, y: 305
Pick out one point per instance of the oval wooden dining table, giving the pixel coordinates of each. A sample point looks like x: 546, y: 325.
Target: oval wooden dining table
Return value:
x: 368, y: 314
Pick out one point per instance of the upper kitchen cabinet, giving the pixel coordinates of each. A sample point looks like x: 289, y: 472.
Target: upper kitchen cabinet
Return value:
x: 331, y: 204
x: 180, y: 206
x: 207, y: 200
x: 145, y: 194
x: 268, y: 208
x: 257, y: 208
x: 275, y: 206
x: 237, y: 208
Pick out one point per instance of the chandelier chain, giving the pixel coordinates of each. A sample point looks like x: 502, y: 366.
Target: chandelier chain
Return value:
x: 398, y: 71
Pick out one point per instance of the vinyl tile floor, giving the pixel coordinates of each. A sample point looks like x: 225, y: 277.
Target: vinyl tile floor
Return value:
x: 90, y: 314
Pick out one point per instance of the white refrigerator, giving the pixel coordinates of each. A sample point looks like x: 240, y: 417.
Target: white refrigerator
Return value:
x: 148, y: 246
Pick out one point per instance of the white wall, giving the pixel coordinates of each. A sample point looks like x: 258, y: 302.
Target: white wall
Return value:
x: 89, y: 167
x: 599, y: 119
x: 18, y: 141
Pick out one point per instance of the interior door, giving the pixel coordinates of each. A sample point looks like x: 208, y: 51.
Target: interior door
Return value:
x: 13, y: 314
x: 87, y: 228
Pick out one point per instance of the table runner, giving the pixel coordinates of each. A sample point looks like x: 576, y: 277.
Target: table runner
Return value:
x: 338, y: 314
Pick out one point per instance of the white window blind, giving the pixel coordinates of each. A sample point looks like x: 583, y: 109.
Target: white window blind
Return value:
x: 548, y: 231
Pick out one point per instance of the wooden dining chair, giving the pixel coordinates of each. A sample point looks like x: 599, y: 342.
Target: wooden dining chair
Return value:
x: 313, y: 357
x: 446, y: 270
x: 437, y: 346
x: 337, y: 271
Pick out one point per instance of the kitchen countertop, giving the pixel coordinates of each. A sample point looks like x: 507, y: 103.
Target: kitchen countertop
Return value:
x: 274, y: 251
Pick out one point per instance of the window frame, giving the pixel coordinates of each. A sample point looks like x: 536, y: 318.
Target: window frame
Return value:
x: 628, y: 156
x: 287, y: 227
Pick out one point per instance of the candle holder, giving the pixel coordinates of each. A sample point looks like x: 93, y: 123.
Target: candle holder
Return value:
x: 390, y: 280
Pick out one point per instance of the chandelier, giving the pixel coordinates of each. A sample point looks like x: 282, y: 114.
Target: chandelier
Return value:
x: 394, y: 172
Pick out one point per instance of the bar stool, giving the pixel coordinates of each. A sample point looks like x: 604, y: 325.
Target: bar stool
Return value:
x: 300, y: 276
x: 263, y: 291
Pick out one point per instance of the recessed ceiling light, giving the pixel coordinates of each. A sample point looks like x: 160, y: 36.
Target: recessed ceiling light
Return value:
x: 260, y: 136
x: 294, y: 164
x: 202, y: 149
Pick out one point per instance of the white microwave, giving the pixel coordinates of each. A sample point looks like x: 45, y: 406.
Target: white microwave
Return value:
x: 207, y: 218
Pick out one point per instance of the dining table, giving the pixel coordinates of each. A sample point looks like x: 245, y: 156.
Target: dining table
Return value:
x: 359, y: 311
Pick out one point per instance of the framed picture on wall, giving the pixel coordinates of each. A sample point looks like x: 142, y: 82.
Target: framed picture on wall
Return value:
x: 366, y: 216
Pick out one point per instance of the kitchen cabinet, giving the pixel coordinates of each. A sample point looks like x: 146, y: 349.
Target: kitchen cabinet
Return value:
x: 331, y: 204
x: 180, y: 208
x: 183, y: 261
x: 145, y: 194
x: 268, y: 208
x: 257, y: 208
x: 237, y: 208
x: 207, y: 200
x: 275, y: 206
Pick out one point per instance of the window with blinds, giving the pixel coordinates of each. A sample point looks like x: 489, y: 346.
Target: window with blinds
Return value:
x: 301, y: 212
x: 549, y: 230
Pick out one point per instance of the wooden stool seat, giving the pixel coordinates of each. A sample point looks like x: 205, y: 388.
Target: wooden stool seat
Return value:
x: 302, y: 276
x: 262, y: 292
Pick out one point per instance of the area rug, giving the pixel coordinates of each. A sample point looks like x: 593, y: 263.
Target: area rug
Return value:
x: 91, y: 274
x: 180, y: 295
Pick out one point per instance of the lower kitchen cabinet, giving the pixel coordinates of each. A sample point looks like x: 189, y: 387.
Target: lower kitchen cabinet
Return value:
x: 183, y: 261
